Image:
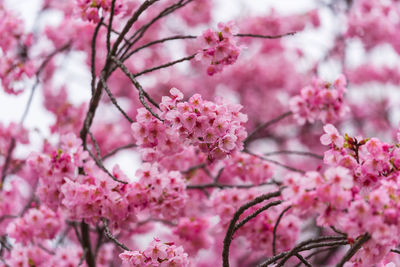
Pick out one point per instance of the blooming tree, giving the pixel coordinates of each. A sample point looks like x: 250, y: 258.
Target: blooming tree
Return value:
x: 253, y: 151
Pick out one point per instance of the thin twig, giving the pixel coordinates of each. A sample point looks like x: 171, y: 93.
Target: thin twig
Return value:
x: 146, y: 4
x: 116, y: 150
x: 193, y: 168
x: 221, y: 186
x: 96, y: 145
x: 93, y: 55
x: 181, y: 37
x: 354, y: 248
x: 276, y: 162
x: 275, y: 229
x: 83, y: 257
x: 306, y: 245
x: 141, y: 31
x: 264, y: 36
x: 338, y: 231
x: 265, y: 125
x: 165, y: 65
x: 303, y: 260
x: 111, y: 237
x: 100, y: 164
x: 166, y: 222
x: 253, y: 215
x: 231, y: 228
x: 395, y: 251
x: 113, y: 100
x: 137, y: 85
x: 315, y: 253
x: 293, y: 152
x: 7, y: 162
x: 176, y: 37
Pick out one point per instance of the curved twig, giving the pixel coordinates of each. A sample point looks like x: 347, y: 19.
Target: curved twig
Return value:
x: 231, y: 228
x: 111, y: 237
x: 275, y: 162
x: 116, y: 150
x: 265, y: 125
x: 138, y: 86
x: 275, y: 229
x: 353, y: 250
x: 113, y: 100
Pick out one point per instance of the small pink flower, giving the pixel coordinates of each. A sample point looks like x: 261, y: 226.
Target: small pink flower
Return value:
x: 332, y: 136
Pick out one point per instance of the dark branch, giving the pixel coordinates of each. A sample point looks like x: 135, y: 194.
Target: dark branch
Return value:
x: 276, y: 162
x: 165, y: 65
x: 116, y: 150
x: 253, y: 215
x: 109, y: 28
x: 264, y: 36
x: 177, y: 37
x: 353, y: 250
x: 303, y: 260
x: 304, y: 246
x: 139, y: 87
x: 292, y: 152
x: 93, y: 56
x: 275, y: 229
x: 111, y: 237
x: 265, y: 125
x: 113, y: 100
x: 231, y: 229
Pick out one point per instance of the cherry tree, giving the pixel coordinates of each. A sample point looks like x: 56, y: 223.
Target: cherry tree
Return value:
x: 255, y: 149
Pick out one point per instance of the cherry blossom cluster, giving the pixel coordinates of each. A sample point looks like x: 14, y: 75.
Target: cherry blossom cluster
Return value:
x: 154, y: 138
x: 219, y: 48
x: 156, y: 254
x: 90, y: 9
x: 55, y: 167
x: 90, y: 196
x: 216, y: 128
x: 320, y: 101
x: 361, y: 188
x: 161, y: 192
x: 15, y: 65
x: 94, y: 195
x: 35, y: 225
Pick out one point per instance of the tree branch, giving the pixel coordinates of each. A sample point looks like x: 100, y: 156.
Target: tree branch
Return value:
x: 276, y: 162
x: 253, y: 215
x: 275, y: 229
x: 116, y: 150
x: 265, y: 125
x: 353, y: 250
x: 292, y: 152
x: 231, y: 228
x: 142, y: 93
x: 93, y: 56
x: 111, y: 237
x: 113, y: 100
